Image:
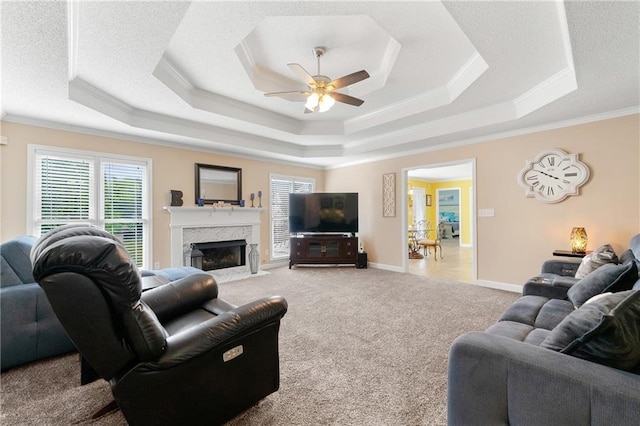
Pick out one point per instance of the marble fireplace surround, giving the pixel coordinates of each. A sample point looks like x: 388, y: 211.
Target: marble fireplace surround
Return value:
x: 207, y: 224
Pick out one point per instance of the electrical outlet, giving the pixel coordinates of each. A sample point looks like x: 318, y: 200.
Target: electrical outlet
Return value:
x: 486, y: 213
x: 156, y: 265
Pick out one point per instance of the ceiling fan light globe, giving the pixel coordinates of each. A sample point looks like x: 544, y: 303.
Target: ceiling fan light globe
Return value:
x: 312, y: 101
x: 326, y: 102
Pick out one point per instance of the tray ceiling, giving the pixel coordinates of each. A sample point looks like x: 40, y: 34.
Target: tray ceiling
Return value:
x: 195, y: 73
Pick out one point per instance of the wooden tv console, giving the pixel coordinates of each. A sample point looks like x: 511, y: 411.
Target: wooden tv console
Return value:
x: 323, y: 249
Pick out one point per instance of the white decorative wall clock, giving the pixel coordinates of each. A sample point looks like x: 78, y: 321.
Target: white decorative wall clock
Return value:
x: 553, y: 176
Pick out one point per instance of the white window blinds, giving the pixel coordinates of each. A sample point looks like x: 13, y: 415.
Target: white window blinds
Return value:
x: 63, y: 191
x: 124, y: 199
x: 111, y: 192
x: 281, y: 186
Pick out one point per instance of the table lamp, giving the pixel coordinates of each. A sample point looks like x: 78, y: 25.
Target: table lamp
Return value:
x: 578, y: 240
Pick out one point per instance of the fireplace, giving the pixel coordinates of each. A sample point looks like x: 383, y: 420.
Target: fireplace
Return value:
x: 218, y: 254
x: 195, y: 225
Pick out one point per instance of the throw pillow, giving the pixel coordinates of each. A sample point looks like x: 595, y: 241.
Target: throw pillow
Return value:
x: 597, y: 297
x: 600, y: 256
x: 609, y: 277
x: 606, y: 331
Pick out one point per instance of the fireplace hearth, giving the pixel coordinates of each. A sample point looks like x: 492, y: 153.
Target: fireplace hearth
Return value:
x: 216, y: 255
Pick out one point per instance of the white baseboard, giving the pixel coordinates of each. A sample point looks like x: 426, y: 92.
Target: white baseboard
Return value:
x: 500, y: 286
x: 385, y: 267
x: 515, y: 288
x: 275, y: 264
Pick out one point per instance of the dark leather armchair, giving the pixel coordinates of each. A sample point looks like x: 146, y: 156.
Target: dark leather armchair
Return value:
x: 176, y: 354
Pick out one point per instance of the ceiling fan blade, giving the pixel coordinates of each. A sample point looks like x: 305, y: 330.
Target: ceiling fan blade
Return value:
x: 302, y: 74
x: 297, y: 96
x: 349, y: 79
x: 346, y: 99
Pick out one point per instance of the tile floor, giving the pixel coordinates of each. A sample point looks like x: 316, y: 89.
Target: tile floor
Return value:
x: 456, y: 263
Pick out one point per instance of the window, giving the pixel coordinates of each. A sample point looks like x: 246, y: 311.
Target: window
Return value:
x: 281, y: 187
x: 108, y: 191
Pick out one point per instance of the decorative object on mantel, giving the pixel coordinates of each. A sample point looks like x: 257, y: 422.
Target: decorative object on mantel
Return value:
x: 218, y: 183
x: 196, y: 257
x: 578, y: 240
x: 176, y: 197
x: 241, y: 203
x: 200, y: 202
x: 389, y: 195
x: 259, y: 198
x: 254, y: 258
x: 553, y: 176
x: 252, y: 197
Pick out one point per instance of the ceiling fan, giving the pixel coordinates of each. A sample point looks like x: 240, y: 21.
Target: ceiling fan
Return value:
x: 321, y: 95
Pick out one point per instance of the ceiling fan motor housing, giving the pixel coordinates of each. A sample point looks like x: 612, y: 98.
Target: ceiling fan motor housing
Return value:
x: 319, y: 51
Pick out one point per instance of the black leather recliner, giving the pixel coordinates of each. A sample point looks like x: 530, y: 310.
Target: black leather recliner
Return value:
x: 173, y: 355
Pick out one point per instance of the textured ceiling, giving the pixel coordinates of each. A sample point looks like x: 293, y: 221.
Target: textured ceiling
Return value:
x: 195, y: 73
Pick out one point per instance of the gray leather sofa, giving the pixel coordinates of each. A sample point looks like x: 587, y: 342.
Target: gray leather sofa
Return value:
x: 557, y: 356
x: 29, y: 329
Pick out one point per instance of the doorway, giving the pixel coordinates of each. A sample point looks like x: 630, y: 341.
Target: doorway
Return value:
x: 448, y: 201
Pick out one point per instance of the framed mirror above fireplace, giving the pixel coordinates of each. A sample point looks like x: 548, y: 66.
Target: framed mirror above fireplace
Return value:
x: 218, y: 183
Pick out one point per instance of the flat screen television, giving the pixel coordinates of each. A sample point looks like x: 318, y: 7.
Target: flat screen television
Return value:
x: 323, y: 212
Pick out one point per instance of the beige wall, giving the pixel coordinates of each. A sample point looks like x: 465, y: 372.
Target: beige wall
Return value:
x: 524, y: 232
x: 172, y: 169
x: 511, y: 245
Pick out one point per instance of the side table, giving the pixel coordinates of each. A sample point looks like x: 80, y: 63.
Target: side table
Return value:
x: 569, y: 253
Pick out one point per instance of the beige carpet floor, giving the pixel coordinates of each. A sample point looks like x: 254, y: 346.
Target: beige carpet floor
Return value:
x: 357, y: 347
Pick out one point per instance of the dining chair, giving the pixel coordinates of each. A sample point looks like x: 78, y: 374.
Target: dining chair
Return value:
x: 431, y: 240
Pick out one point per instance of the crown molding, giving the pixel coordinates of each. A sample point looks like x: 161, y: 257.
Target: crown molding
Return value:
x: 470, y: 71
x: 194, y: 146
x: 189, y: 145
x: 220, y: 105
x: 492, y: 136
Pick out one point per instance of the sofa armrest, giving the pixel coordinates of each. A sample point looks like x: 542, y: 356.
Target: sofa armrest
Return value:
x: 173, y: 274
x: 563, y: 266
x: 178, y: 297
x: 548, y: 285
x: 497, y: 380
x: 544, y: 289
x: 218, y: 331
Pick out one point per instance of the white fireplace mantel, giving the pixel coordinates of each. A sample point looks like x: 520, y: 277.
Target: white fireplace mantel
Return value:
x: 215, y: 220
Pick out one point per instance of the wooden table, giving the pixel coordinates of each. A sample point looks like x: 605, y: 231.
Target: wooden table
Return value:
x: 569, y: 253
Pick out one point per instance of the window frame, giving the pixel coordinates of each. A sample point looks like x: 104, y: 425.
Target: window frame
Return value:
x: 98, y: 159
